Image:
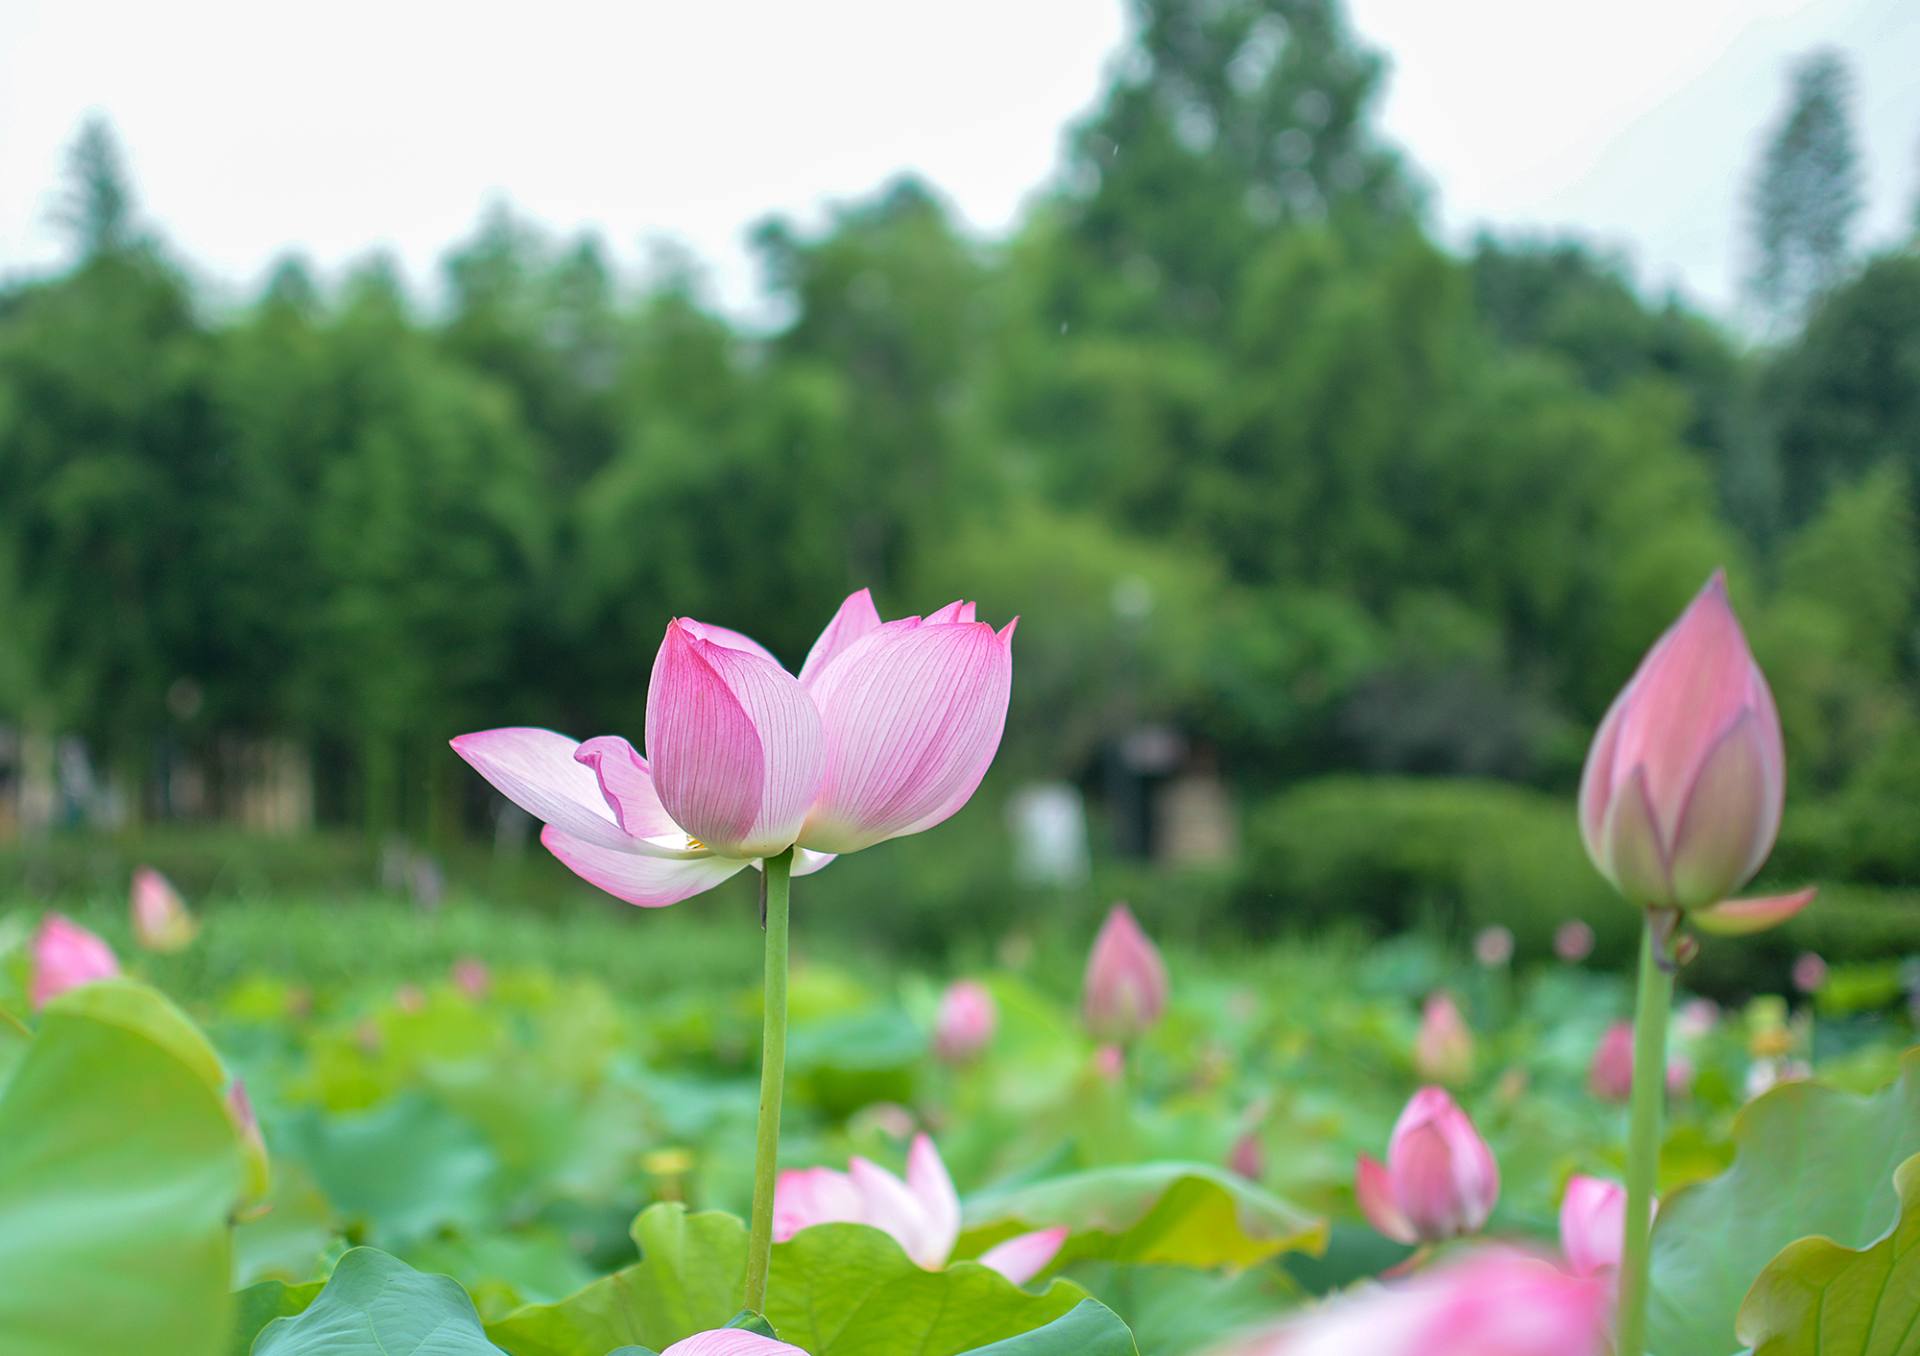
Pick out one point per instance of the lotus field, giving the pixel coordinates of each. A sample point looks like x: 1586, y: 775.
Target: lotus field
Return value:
x: 1129, y: 1145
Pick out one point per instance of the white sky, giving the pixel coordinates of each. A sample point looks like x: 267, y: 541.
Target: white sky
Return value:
x: 253, y: 126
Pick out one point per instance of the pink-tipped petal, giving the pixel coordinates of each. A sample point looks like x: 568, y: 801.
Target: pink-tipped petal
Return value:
x: 730, y: 638
x: 892, y: 1207
x: 930, y: 1182
x: 1738, y: 917
x: 855, y: 618
x: 648, y: 881
x: 1731, y: 816
x: 160, y: 918
x: 1424, y: 1182
x: 959, y: 610
x: 1125, y: 988
x: 1373, y: 1191
x: 66, y: 956
x: 1596, y: 781
x: 626, y: 785
x: 1593, y: 1218
x: 804, y: 1197
x: 1636, y: 858
x: 536, y: 770
x: 736, y: 745
x: 1022, y: 1258
x: 730, y: 1342
x: 806, y: 861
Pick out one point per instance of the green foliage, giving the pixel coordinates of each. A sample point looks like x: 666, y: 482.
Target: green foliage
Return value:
x: 119, y: 1166
x: 376, y: 1305
x: 1810, y: 1160
x: 1820, y: 1299
x: 1806, y: 193
x: 1088, y: 1329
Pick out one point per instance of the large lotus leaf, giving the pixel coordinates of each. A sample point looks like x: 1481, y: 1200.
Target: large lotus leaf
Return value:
x: 1183, y: 1214
x: 690, y: 1276
x: 1820, y: 1299
x: 1088, y: 1329
x: 848, y: 1290
x: 1809, y: 1160
x: 405, y: 1169
x: 376, y: 1305
x: 119, y: 1167
x: 1182, y: 1309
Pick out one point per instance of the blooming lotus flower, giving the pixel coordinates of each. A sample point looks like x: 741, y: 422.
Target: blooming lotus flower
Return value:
x: 922, y: 1212
x: 965, y: 1022
x: 1439, y: 1180
x: 730, y: 1342
x: 160, y: 919
x: 1573, y: 941
x: 1443, y: 1051
x: 1497, y: 1302
x: 1125, y: 991
x: 1686, y: 779
x: 65, y: 956
x: 887, y: 730
x: 1593, y: 1224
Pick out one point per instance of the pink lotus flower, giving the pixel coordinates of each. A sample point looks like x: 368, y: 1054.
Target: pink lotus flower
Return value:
x: 888, y: 730
x: 1610, y: 1075
x: 1573, y: 941
x: 160, y: 919
x: 922, y: 1213
x: 1125, y: 991
x: 965, y: 1022
x: 1593, y: 1224
x: 472, y: 977
x: 1497, y: 1302
x: 1439, y: 1180
x: 730, y: 1342
x: 1684, y: 784
x: 1443, y: 1050
x: 1493, y: 947
x: 65, y: 956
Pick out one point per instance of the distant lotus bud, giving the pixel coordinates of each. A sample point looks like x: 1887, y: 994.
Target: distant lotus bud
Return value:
x: 253, y: 1144
x: 1109, y: 1063
x: 1247, y: 1157
x: 1610, y: 1076
x: 1443, y: 1051
x: 1573, y: 941
x: 65, y: 956
x: 1697, y: 1018
x: 160, y: 919
x: 1684, y: 784
x: 1493, y: 947
x: 1439, y: 1180
x: 1126, y: 985
x: 1809, y: 972
x: 965, y: 1022
x: 1593, y: 1224
x: 472, y: 978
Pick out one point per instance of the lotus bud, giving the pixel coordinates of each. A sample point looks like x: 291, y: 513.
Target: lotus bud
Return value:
x: 1247, y: 1157
x: 1573, y: 941
x: 253, y: 1144
x: 1126, y: 984
x: 1610, y: 1076
x: 965, y: 1022
x: 1493, y: 947
x: 1683, y: 788
x: 1593, y: 1224
x: 65, y: 956
x: 1809, y: 972
x: 1443, y: 1051
x: 1439, y: 1181
x: 160, y: 919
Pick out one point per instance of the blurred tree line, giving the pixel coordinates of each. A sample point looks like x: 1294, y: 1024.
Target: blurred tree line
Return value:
x: 1251, y: 452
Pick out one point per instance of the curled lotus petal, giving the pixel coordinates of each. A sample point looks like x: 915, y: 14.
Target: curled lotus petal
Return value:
x: 1739, y: 917
x: 1373, y: 1191
x: 648, y: 881
x: 730, y: 638
x: 537, y: 770
x: 626, y: 784
x: 1024, y: 1256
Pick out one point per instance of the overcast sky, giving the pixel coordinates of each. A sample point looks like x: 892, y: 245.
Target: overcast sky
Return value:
x: 257, y: 127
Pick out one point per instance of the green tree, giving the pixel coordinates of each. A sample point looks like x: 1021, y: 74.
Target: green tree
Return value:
x: 1806, y: 192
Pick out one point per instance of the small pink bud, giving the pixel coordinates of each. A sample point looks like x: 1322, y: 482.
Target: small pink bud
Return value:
x: 65, y: 956
x: 1683, y: 787
x: 1439, y: 1181
x: 1593, y: 1224
x: 1493, y: 947
x: 1573, y: 941
x: 1126, y: 984
x: 160, y: 919
x: 1697, y: 1018
x: 1247, y: 1157
x: 965, y: 1022
x: 1610, y: 1076
x: 1809, y: 972
x: 472, y: 978
x: 253, y: 1144
x: 1443, y: 1051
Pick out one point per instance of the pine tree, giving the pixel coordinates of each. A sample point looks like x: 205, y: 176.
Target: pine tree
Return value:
x: 1806, y: 193
x: 97, y: 208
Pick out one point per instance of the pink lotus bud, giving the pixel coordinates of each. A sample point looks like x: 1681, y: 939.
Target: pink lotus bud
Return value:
x: 1697, y: 1018
x: 965, y: 1022
x: 730, y: 1342
x: 1248, y: 1157
x: 253, y: 1144
x: 1684, y: 784
x: 1439, y: 1180
x: 65, y: 956
x: 1493, y: 947
x: 1126, y: 984
x: 472, y: 977
x: 1809, y: 972
x: 1573, y: 941
x: 1495, y: 1302
x: 1109, y: 1063
x: 922, y: 1213
x: 1593, y: 1224
x: 1610, y: 1076
x: 1443, y: 1051
x: 160, y: 920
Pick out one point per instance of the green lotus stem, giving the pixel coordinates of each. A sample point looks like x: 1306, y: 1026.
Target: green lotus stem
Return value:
x: 1643, y: 1134
x: 776, y: 881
